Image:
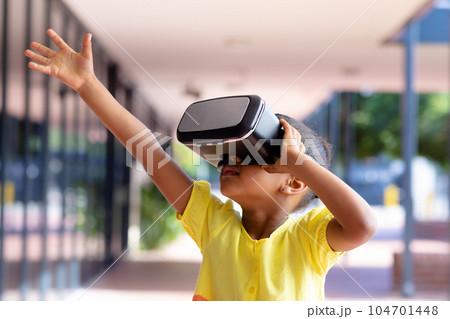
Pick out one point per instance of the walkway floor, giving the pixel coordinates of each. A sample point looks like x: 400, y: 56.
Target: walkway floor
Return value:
x: 170, y: 273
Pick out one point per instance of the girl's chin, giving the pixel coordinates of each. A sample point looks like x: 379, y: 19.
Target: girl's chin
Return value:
x: 227, y: 191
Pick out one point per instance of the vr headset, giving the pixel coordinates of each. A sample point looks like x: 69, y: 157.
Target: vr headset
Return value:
x: 223, y: 129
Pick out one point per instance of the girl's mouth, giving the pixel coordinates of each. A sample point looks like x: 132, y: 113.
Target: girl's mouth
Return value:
x: 228, y: 170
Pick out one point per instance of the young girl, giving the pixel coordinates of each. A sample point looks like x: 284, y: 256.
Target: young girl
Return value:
x: 265, y: 254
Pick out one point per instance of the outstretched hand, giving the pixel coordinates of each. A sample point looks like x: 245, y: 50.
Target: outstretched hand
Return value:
x: 72, y: 68
x: 292, y: 151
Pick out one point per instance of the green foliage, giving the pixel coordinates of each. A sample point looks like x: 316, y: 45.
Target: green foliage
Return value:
x: 157, y: 214
x: 193, y: 164
x: 377, y: 122
x: 186, y: 158
x: 434, y: 127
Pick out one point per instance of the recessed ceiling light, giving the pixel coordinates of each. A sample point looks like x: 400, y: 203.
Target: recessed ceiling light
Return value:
x: 350, y: 71
x: 237, y: 43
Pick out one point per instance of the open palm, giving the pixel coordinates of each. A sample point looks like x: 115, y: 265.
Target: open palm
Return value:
x: 70, y: 67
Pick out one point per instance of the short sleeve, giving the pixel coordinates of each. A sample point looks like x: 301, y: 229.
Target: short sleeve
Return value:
x: 315, y: 224
x: 204, y: 213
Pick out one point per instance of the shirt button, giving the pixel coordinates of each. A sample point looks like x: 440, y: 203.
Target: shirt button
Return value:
x: 251, y: 290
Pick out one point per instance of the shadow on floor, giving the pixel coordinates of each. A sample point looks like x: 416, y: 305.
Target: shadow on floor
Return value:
x: 358, y: 283
x: 151, y: 275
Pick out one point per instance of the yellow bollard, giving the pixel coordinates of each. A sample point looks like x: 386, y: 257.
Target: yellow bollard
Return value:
x: 9, y: 192
x: 391, y: 195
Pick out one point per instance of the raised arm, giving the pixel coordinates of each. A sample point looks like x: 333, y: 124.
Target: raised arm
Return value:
x: 354, y: 221
x: 77, y: 71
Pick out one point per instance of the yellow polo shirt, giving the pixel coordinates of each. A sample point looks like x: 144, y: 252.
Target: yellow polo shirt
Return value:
x: 289, y: 265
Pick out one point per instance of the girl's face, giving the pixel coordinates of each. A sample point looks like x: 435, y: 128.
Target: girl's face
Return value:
x: 249, y: 182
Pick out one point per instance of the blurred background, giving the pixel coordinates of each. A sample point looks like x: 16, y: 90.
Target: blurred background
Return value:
x: 373, y: 77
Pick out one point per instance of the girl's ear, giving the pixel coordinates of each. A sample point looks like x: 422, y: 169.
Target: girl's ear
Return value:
x: 293, y: 187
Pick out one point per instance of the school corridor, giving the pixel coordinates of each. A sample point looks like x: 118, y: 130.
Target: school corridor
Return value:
x: 371, y: 77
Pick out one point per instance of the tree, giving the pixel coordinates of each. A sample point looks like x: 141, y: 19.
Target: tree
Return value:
x: 377, y: 123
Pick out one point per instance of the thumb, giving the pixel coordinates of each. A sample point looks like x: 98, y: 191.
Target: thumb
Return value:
x: 87, y: 46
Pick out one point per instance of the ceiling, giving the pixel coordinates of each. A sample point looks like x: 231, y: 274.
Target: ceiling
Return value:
x: 291, y: 53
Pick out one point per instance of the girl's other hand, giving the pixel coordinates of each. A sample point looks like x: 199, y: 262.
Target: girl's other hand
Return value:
x: 72, y: 68
x: 292, y: 151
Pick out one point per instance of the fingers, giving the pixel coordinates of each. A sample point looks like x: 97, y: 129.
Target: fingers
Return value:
x: 39, y: 67
x: 57, y: 39
x: 87, y: 46
x: 292, y: 137
x: 37, y: 57
x: 285, y: 124
x: 42, y: 61
x: 43, y: 49
x: 288, y: 132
